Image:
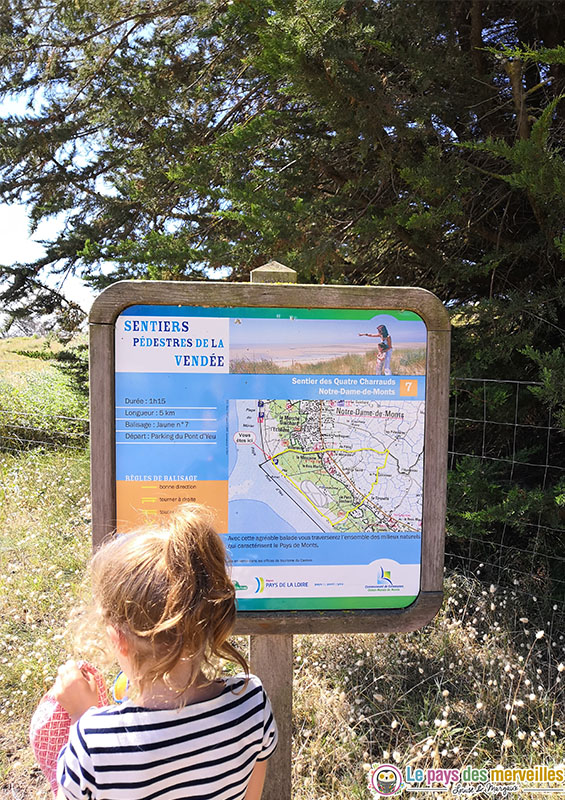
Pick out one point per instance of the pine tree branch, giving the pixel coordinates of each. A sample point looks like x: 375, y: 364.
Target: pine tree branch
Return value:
x: 513, y: 69
x: 232, y: 111
x: 104, y: 62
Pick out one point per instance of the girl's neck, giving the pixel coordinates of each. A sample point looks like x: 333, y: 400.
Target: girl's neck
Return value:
x: 161, y: 695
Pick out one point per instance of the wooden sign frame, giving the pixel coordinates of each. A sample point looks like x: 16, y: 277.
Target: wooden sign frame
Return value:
x: 110, y: 303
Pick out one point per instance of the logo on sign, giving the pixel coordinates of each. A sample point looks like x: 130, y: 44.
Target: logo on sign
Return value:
x: 384, y: 578
x: 265, y: 583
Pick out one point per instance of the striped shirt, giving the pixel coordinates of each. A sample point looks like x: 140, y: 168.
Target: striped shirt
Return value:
x: 205, y: 750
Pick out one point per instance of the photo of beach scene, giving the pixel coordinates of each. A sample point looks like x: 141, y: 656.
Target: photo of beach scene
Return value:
x: 381, y: 345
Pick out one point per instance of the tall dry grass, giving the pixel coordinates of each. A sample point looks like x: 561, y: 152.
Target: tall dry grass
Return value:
x: 482, y: 685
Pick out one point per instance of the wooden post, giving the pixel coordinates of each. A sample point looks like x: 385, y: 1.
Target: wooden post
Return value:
x: 102, y: 433
x: 271, y: 659
x: 270, y: 656
x: 273, y: 272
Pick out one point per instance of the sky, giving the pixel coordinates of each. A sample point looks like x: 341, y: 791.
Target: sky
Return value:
x: 299, y: 332
x: 17, y: 245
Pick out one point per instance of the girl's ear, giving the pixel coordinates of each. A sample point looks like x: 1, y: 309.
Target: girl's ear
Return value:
x: 118, y: 639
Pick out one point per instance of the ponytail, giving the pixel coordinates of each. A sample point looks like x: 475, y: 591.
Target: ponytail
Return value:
x: 168, y: 591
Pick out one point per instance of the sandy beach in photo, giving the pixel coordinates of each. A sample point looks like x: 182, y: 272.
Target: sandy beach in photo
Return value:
x: 285, y: 355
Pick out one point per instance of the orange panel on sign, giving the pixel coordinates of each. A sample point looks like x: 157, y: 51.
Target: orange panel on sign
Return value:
x: 142, y: 502
x: 408, y: 388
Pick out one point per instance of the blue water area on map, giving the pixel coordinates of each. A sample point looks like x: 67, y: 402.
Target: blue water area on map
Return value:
x: 241, y: 512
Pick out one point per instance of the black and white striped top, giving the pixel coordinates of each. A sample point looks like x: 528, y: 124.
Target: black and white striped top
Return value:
x: 206, y: 750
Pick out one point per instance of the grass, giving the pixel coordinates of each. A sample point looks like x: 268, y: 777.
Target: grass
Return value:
x: 38, y: 402
x: 44, y: 519
x: 13, y: 363
x: 482, y: 685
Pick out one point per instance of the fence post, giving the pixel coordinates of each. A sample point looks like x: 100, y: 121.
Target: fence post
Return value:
x: 270, y: 656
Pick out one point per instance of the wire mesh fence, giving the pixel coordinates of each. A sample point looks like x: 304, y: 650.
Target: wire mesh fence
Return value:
x: 506, y: 487
x: 21, y: 430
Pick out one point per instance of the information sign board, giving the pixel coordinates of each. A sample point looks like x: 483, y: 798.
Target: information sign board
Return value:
x: 303, y: 426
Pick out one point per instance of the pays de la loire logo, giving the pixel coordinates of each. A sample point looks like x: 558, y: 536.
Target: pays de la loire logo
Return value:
x: 385, y: 780
x: 264, y: 583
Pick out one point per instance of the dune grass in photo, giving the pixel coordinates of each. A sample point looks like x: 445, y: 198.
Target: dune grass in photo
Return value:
x: 407, y: 361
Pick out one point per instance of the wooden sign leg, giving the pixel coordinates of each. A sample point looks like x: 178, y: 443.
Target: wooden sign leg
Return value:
x: 271, y: 660
x: 271, y: 656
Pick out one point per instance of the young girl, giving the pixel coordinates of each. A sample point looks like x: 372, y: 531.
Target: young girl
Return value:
x: 168, y: 606
x: 381, y: 358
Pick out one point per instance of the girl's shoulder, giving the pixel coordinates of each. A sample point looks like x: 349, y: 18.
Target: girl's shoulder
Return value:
x: 243, y: 687
x: 249, y: 683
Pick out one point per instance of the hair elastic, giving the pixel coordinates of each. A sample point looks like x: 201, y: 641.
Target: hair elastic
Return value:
x: 120, y: 688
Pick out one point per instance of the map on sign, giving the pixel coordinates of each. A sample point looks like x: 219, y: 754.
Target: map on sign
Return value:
x: 326, y: 465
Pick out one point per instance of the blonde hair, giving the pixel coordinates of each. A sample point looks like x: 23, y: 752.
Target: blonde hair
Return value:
x: 167, y: 590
